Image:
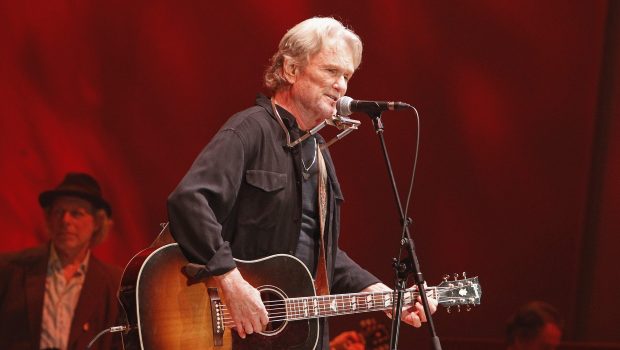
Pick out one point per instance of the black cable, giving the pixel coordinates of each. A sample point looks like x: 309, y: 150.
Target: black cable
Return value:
x: 413, y: 171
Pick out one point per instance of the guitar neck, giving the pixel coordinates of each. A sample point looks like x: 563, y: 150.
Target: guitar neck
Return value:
x: 344, y: 304
x: 449, y: 293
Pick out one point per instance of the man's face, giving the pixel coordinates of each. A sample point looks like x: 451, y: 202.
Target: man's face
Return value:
x: 322, y: 81
x: 71, y: 223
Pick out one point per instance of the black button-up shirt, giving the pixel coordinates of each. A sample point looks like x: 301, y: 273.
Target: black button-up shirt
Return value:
x: 242, y: 198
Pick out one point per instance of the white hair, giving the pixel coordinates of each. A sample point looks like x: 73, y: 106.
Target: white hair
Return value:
x: 304, y: 40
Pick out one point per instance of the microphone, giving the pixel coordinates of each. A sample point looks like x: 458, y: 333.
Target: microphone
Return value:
x: 346, y: 105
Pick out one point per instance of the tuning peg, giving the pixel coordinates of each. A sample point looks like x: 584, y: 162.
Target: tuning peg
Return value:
x: 449, y: 310
x: 458, y: 307
x: 464, y: 275
x: 456, y: 276
x: 468, y: 307
x: 445, y: 277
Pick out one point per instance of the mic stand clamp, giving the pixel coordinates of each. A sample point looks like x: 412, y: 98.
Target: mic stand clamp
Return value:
x: 409, y: 265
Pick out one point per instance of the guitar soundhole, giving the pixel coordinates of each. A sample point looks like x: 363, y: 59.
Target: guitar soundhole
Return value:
x: 273, y: 298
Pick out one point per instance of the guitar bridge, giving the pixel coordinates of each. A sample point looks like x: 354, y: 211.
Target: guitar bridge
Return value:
x: 217, y: 317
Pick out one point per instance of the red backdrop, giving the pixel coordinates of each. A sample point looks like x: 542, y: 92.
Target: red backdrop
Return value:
x: 518, y: 174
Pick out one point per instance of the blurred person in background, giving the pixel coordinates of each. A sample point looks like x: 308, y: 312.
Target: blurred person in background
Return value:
x: 58, y: 295
x: 535, y: 326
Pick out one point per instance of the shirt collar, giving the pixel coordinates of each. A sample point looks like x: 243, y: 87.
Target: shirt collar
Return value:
x: 55, y: 264
x: 288, y: 118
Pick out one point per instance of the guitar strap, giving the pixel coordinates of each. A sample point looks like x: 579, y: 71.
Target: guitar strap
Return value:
x: 321, y: 283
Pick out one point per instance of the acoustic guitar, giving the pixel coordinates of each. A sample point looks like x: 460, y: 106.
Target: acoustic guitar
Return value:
x: 167, y: 310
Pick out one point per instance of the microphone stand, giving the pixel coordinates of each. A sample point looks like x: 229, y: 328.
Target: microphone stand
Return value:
x: 408, y: 265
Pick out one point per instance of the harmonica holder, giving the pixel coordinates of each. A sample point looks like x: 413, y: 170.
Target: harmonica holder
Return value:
x: 347, y: 125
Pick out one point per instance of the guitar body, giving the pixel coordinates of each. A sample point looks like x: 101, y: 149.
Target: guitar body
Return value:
x: 168, y: 310
x: 168, y: 306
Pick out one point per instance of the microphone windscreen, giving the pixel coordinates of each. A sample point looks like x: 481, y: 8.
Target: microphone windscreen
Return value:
x: 343, y: 106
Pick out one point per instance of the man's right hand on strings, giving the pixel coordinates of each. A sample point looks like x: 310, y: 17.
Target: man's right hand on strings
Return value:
x: 243, y: 302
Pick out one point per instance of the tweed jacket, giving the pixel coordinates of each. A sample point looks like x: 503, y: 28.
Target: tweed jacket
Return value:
x: 22, y: 289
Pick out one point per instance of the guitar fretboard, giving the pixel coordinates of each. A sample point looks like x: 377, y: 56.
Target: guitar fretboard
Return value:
x: 342, y: 304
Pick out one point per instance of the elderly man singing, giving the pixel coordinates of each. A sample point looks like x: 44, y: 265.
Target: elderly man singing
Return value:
x: 255, y: 191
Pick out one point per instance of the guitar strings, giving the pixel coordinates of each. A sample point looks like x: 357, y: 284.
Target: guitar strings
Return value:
x: 361, y: 298
x: 346, y: 299
x: 310, y: 307
x: 277, y: 311
x: 282, y: 315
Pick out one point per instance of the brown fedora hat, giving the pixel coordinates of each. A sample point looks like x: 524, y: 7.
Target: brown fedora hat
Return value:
x: 77, y: 185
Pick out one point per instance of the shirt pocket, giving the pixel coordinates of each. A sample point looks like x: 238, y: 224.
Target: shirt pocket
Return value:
x: 263, y: 204
x: 267, y: 181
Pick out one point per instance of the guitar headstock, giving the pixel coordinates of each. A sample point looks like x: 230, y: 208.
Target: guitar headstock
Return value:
x: 456, y: 292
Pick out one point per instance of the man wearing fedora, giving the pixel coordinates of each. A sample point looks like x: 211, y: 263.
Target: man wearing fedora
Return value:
x: 58, y: 295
